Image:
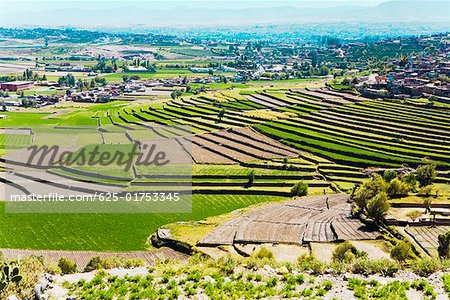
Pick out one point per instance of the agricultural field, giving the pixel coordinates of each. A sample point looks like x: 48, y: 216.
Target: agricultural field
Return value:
x: 108, y: 232
x: 249, y: 145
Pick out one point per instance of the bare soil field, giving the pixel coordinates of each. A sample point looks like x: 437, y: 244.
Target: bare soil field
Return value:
x: 324, y: 218
x: 427, y: 237
x: 238, y: 145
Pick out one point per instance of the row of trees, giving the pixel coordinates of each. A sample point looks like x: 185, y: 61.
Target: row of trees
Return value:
x: 372, y: 197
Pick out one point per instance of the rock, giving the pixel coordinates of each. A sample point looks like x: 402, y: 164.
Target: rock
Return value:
x: 294, y: 272
x: 12, y: 297
x: 226, y: 279
x: 346, y: 277
x: 209, y: 279
x: 269, y: 269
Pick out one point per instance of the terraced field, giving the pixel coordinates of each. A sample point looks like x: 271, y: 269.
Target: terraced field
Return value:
x: 427, y: 237
x: 277, y: 136
x: 314, y: 219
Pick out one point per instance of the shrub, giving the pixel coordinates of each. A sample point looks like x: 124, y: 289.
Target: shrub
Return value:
x: 227, y: 264
x: 425, y: 266
x: 426, y: 174
x: 32, y: 271
x: 401, y: 251
x: 93, y: 264
x: 53, y: 269
x: 263, y: 253
x: 382, y: 266
x: 310, y: 263
x: 300, y: 189
x: 389, y: 175
x: 113, y: 262
x: 444, y: 245
x: 344, y: 252
x: 426, y: 190
x: 446, y: 280
x: 397, y: 188
x: 67, y: 266
x: 378, y: 207
x: 134, y: 262
x: 414, y: 215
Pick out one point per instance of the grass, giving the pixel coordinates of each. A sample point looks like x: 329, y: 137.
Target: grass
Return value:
x: 107, y: 232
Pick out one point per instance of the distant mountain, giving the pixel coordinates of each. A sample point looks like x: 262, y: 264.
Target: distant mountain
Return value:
x: 393, y: 11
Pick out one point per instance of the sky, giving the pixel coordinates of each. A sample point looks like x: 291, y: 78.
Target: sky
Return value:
x: 154, y: 13
x: 39, y: 5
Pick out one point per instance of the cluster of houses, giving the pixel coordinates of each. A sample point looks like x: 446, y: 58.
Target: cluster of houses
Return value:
x: 422, y: 76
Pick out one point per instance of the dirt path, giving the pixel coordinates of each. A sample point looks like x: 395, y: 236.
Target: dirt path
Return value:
x: 81, y: 258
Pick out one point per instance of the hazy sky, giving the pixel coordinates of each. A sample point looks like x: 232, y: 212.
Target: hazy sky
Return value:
x: 125, y: 13
x: 39, y: 5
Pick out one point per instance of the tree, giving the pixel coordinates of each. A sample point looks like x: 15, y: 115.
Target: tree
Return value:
x: 427, y: 204
x: 345, y: 252
x: 300, y: 189
x: 369, y: 190
x: 378, y: 207
x: 251, y: 177
x: 388, y: 175
x: 44, y: 77
x: 175, y: 94
x: 426, y: 174
x: 314, y: 58
x: 411, y: 180
x: 401, y: 251
x: 397, y: 188
x: 444, y: 245
x: 221, y: 114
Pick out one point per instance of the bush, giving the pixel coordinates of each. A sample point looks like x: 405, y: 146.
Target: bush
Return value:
x: 227, y: 264
x: 67, y: 266
x: 344, y: 252
x: 426, y: 190
x: 425, y: 266
x: 312, y: 264
x: 397, y: 188
x: 134, y: 262
x: 444, y: 245
x: 263, y: 253
x: 401, y: 251
x: 378, y: 207
x: 414, y: 215
x: 300, y: 189
x: 411, y: 180
x: 426, y: 174
x: 389, y: 175
x: 93, y: 264
x: 32, y: 271
x: 382, y: 266
x: 53, y: 269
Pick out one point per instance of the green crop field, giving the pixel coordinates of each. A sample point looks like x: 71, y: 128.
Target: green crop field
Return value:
x: 107, y: 232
